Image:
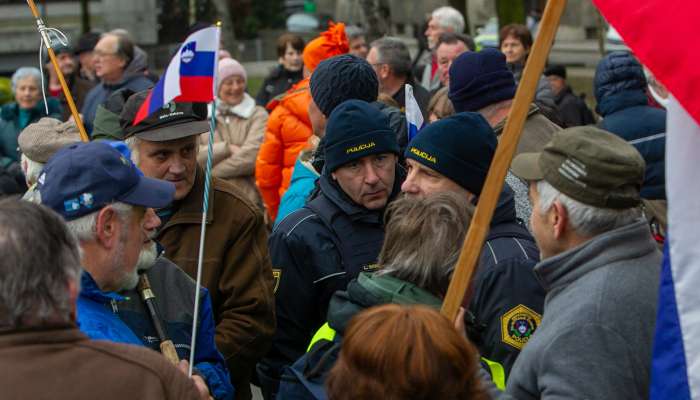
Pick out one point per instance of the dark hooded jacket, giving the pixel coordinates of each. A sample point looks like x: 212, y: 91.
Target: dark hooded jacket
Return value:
x: 507, y: 301
x: 315, y: 252
x: 622, y: 102
x: 134, y: 78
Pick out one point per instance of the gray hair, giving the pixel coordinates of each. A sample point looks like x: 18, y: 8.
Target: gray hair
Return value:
x: 24, y: 72
x: 393, y: 52
x: 586, y: 220
x: 353, y: 32
x: 423, y: 239
x: 449, y: 18
x: 133, y: 144
x: 85, y: 227
x: 40, y: 260
x: 34, y: 168
x: 125, y: 46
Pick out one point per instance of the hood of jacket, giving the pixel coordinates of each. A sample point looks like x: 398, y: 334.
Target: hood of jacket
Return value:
x: 374, y: 289
x: 617, y: 73
x: 505, y: 208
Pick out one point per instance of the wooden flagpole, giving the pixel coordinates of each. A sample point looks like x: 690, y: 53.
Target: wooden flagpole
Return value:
x: 524, y: 95
x: 66, y: 91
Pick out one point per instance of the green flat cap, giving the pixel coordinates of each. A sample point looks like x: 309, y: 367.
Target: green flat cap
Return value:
x: 587, y: 164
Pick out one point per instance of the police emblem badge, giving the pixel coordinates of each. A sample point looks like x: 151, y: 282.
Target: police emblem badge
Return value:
x: 276, y: 275
x: 518, y: 325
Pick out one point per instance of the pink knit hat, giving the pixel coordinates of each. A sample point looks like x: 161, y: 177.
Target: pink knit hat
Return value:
x: 229, y: 67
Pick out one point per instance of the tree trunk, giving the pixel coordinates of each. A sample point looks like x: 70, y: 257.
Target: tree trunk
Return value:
x: 228, y: 36
x: 510, y: 12
x: 378, y: 17
x: 85, y: 15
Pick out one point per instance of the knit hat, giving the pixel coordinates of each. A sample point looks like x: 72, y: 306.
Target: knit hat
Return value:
x: 356, y: 129
x: 229, y: 67
x: 40, y: 140
x: 341, y: 78
x: 478, y: 79
x: 330, y: 43
x: 556, y: 70
x: 460, y: 147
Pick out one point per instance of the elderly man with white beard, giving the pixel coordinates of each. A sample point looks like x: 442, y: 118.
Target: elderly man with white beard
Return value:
x: 108, y: 204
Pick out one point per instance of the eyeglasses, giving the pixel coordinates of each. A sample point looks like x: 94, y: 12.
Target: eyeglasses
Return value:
x: 100, y: 53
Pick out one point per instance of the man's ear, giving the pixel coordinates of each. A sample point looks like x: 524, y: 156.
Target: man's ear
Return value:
x: 384, y: 71
x: 107, y: 227
x: 559, y: 219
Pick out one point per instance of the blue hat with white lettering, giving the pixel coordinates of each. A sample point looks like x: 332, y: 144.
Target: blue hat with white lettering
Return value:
x: 84, y: 177
x: 357, y: 129
x: 460, y: 147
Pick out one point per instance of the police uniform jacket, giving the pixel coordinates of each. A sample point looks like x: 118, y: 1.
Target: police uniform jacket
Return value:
x: 316, y: 251
x: 507, y: 302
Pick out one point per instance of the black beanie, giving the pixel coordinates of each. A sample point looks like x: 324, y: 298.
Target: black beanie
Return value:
x: 356, y: 129
x: 479, y: 79
x: 342, y: 78
x: 460, y: 147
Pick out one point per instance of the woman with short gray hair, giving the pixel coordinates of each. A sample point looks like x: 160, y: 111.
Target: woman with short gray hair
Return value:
x: 26, y: 109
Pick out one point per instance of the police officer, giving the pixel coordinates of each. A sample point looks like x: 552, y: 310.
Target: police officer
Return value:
x: 338, y: 234
x: 454, y: 154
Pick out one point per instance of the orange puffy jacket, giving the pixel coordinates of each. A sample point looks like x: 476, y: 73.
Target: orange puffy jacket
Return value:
x: 288, y: 129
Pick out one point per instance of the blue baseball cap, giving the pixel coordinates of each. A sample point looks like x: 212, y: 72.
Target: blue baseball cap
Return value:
x: 84, y: 177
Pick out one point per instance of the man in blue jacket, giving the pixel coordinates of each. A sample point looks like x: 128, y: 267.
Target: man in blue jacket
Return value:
x: 338, y: 234
x: 107, y: 205
x: 454, y: 155
x: 620, y: 91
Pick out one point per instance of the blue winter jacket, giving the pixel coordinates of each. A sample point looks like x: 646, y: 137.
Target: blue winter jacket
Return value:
x: 620, y: 87
x: 300, y: 187
x: 101, y: 316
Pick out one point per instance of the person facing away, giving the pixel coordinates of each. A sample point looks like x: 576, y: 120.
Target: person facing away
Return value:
x: 415, y: 353
x: 43, y: 354
x: 600, y: 268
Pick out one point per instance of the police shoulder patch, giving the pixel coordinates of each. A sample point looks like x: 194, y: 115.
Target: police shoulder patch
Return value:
x: 518, y: 325
x: 276, y: 275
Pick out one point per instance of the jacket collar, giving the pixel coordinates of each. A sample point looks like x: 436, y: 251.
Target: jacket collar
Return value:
x: 90, y: 290
x: 244, y: 109
x: 42, y: 335
x: 498, y: 128
x: 628, y: 242
x: 621, y: 100
x: 369, y: 290
x: 189, y: 209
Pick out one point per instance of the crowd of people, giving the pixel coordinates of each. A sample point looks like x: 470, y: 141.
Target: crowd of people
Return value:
x: 331, y: 235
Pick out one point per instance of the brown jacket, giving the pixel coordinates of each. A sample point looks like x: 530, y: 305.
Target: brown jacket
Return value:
x: 62, y: 363
x: 242, y: 126
x: 236, y: 270
x: 537, y: 132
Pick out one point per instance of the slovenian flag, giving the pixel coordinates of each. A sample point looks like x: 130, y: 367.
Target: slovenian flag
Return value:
x: 414, y: 117
x: 658, y: 32
x: 191, y: 74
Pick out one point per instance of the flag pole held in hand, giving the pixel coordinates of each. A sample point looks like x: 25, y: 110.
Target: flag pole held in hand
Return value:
x: 43, y: 31
x: 493, y: 186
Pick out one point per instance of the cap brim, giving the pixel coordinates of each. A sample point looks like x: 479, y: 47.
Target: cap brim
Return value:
x: 173, y: 132
x: 149, y: 192
x: 526, y: 166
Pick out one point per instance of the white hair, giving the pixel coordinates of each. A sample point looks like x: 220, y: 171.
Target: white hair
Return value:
x: 85, y: 227
x: 133, y: 144
x: 32, y: 171
x: 449, y: 18
x: 584, y: 219
x: 24, y: 72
